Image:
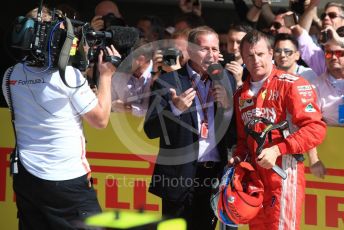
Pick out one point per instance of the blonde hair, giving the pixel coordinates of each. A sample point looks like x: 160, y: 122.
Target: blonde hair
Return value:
x: 195, y: 32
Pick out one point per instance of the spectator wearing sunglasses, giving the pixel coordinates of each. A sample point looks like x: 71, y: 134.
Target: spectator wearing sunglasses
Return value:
x: 332, y: 18
x: 333, y: 15
x: 330, y: 86
x: 286, y: 56
x: 278, y: 25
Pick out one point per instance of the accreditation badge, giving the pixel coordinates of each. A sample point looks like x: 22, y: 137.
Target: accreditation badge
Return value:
x: 204, y: 130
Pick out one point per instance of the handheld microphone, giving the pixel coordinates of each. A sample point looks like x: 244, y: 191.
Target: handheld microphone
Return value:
x: 215, y: 72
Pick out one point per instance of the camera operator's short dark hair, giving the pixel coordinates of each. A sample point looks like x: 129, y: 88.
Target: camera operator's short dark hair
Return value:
x: 286, y: 37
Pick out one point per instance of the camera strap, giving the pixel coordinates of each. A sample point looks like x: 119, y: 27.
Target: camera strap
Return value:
x: 65, y: 52
x: 15, y: 154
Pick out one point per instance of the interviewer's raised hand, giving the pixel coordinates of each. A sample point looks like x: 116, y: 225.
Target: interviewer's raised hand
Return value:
x: 184, y: 100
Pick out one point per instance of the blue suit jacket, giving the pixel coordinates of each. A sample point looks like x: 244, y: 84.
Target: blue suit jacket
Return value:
x: 176, y: 163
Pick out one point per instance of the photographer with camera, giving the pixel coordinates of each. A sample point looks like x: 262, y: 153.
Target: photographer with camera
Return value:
x: 166, y: 60
x: 51, y: 175
x: 106, y: 14
x: 173, y: 57
x: 330, y: 85
x: 331, y: 19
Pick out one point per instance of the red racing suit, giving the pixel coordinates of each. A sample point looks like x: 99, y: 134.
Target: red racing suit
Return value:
x: 282, y: 97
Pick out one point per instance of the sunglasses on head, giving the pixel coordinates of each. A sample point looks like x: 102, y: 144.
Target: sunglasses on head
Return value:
x: 331, y: 15
x: 287, y: 52
x: 338, y: 53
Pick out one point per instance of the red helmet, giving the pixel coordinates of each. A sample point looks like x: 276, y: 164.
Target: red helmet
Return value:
x: 240, y: 195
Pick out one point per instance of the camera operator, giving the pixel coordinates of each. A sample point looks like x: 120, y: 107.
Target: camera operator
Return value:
x: 51, y: 175
x: 106, y: 14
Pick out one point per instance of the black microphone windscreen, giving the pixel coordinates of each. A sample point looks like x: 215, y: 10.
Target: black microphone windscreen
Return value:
x: 124, y: 37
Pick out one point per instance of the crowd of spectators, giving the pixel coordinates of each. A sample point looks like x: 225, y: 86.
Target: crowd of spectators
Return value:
x: 305, y: 42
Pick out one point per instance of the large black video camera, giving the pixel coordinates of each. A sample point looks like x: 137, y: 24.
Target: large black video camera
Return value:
x: 42, y: 40
x: 61, y: 41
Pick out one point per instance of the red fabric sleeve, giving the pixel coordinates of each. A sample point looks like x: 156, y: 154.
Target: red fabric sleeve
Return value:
x: 305, y: 114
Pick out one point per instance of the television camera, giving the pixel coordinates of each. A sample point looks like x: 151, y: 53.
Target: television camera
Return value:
x: 61, y: 41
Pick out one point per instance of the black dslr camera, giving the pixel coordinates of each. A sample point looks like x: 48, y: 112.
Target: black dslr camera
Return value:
x: 170, y: 55
x: 111, y: 20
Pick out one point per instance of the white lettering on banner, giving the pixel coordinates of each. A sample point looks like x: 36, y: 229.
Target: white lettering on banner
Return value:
x: 268, y: 113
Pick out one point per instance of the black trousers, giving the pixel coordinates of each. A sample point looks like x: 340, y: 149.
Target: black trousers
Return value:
x: 196, y: 209
x: 44, y: 205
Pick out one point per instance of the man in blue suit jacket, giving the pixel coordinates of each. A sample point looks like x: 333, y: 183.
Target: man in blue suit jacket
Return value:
x: 191, y: 115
